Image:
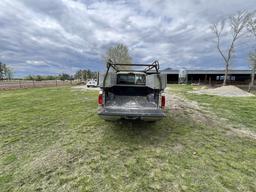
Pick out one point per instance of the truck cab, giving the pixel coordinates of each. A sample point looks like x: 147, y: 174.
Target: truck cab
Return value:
x: 132, y: 94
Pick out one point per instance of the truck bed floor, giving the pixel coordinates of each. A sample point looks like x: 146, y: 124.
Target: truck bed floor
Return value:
x: 130, y: 102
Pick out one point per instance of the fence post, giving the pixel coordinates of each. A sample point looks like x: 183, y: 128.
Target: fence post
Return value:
x: 56, y: 82
x: 33, y: 83
x: 98, y: 77
x: 20, y: 83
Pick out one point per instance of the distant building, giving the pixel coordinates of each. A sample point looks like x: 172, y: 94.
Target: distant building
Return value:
x: 206, y: 76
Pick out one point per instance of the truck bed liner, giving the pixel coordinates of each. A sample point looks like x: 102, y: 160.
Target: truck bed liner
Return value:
x: 130, y: 102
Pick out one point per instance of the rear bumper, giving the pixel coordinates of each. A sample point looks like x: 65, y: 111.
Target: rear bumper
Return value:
x: 143, y: 114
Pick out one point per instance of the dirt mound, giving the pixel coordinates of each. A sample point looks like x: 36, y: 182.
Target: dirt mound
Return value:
x: 225, y: 91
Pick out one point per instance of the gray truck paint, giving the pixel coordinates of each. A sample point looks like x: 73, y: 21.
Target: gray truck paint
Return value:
x: 143, y: 103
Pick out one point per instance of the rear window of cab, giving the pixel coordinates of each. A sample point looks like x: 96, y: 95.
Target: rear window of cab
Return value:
x: 131, y: 79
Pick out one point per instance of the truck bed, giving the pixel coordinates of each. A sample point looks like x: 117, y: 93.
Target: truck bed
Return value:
x: 130, y: 102
x: 131, y: 107
x: 132, y: 93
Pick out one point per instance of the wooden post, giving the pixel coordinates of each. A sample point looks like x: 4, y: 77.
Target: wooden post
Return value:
x: 33, y: 83
x: 56, y: 82
x: 20, y: 83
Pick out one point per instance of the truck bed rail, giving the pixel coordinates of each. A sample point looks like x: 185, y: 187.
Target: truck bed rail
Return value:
x: 152, y: 68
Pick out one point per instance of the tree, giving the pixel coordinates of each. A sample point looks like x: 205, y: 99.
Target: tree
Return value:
x: 236, y: 25
x: 65, y: 76
x: 119, y: 54
x: 5, y: 72
x: 1, y: 71
x: 85, y: 74
x: 50, y: 77
x: 251, y: 26
x: 8, y: 73
x: 252, y: 57
x: 30, y: 77
x: 38, y: 78
x: 79, y: 75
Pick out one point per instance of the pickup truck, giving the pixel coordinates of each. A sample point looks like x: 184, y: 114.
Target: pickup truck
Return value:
x: 91, y: 83
x: 132, y: 93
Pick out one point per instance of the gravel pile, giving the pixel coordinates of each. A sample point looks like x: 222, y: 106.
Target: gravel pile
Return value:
x: 225, y: 91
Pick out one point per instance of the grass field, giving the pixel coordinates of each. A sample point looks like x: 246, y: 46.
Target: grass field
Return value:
x: 239, y: 110
x: 52, y: 140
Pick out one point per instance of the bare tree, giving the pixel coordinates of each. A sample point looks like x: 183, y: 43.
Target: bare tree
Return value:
x: 236, y: 24
x: 119, y: 54
x: 251, y: 26
x: 8, y: 73
x: 252, y: 58
x: 5, y: 72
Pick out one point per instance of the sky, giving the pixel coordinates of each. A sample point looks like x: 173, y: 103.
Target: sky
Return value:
x: 48, y: 37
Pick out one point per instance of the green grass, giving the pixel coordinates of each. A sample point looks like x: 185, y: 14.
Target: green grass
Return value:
x: 53, y: 140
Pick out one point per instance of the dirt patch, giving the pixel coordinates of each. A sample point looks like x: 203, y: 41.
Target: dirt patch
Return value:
x: 179, y: 104
x: 225, y: 91
x: 178, y: 148
x: 241, y: 133
x: 201, y: 115
x: 85, y: 88
x: 49, y: 159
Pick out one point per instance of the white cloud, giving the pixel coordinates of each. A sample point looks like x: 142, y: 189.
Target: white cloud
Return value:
x: 63, y: 35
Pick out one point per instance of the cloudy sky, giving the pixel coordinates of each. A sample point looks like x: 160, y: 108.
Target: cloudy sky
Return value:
x: 62, y: 36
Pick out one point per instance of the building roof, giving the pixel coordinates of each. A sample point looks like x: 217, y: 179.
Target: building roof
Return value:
x: 213, y: 72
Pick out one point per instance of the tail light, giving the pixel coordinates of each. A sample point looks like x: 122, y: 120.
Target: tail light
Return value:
x: 100, y: 99
x: 163, y: 101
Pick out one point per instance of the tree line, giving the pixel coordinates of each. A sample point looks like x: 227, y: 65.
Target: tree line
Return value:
x: 7, y: 74
x: 48, y: 77
x: 85, y: 74
x: 238, y: 26
x: 80, y: 74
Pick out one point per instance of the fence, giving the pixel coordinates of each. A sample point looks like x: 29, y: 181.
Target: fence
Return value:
x: 21, y: 84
